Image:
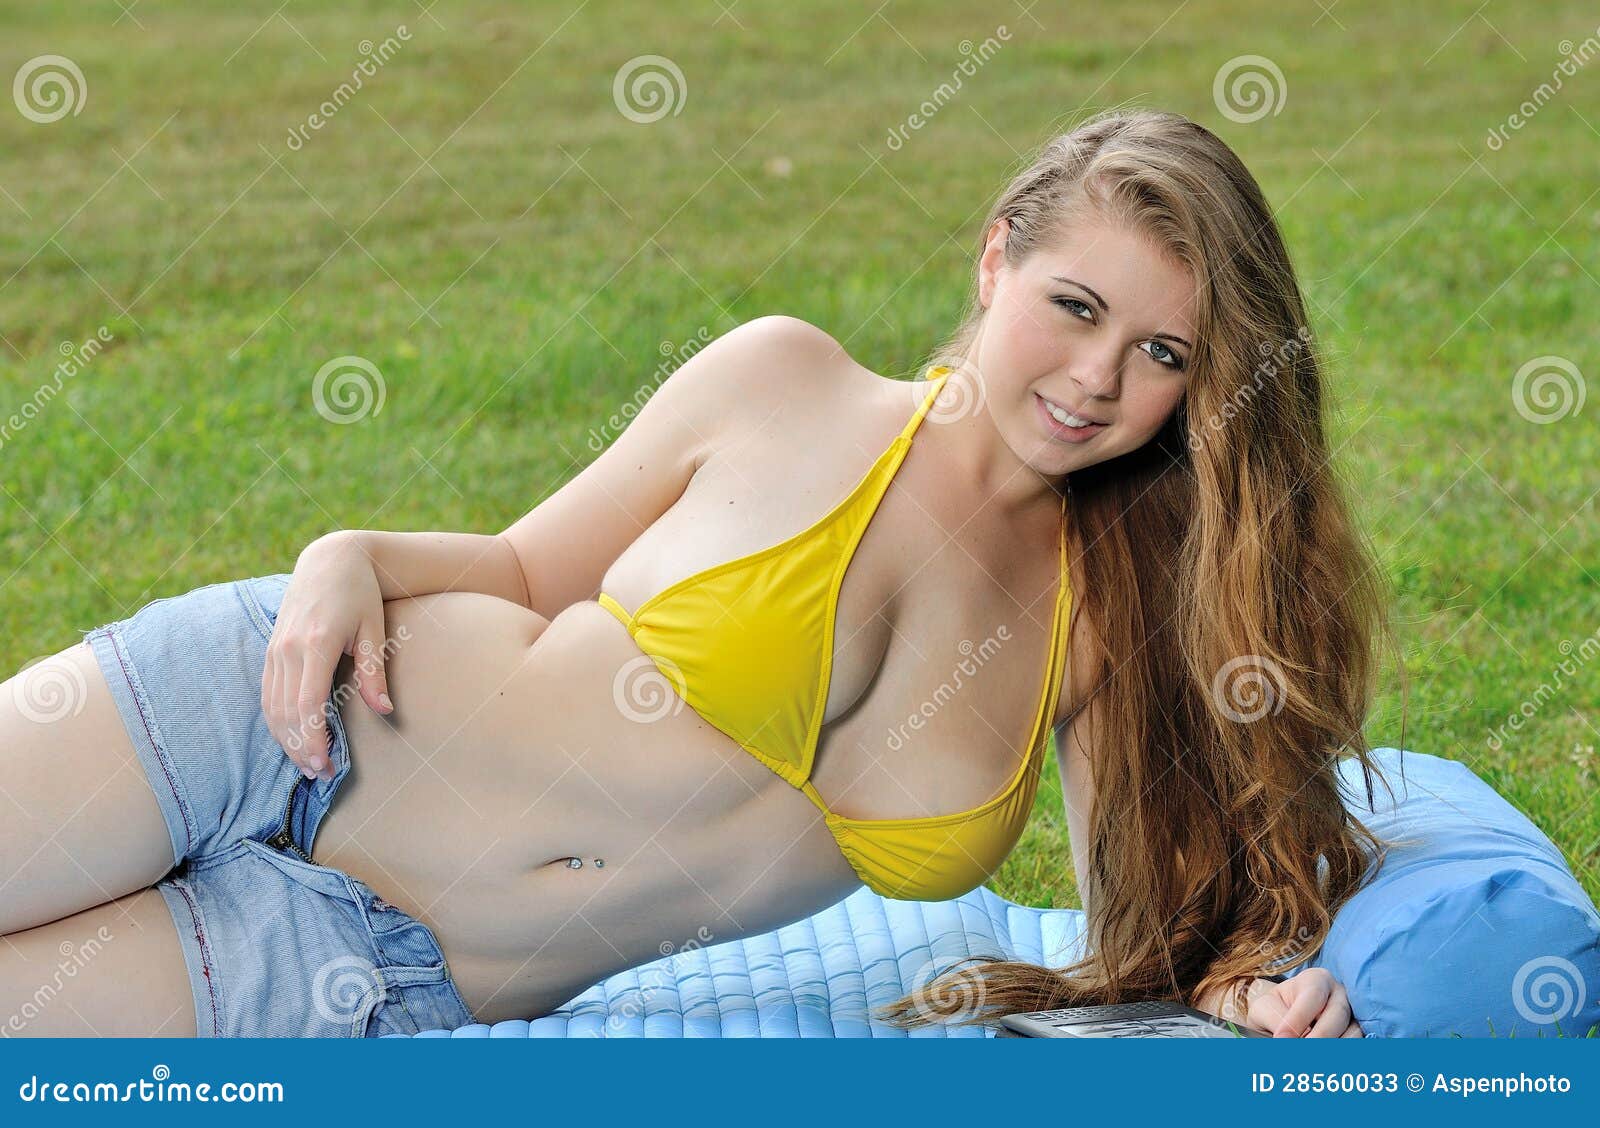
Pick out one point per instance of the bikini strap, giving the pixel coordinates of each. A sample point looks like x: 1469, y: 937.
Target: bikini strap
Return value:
x: 811, y: 793
x: 941, y: 373
x: 1063, y: 603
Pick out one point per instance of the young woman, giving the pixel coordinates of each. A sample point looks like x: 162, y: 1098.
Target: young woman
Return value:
x: 838, y: 618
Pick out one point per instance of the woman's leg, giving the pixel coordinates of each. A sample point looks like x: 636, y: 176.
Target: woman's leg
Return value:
x: 116, y: 969
x: 79, y: 824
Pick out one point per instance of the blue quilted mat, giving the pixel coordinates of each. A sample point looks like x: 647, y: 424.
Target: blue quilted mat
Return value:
x: 816, y: 978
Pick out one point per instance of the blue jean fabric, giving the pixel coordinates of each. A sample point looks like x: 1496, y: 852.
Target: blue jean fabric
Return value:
x: 275, y: 944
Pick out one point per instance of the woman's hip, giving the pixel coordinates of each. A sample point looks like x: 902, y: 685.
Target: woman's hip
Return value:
x: 185, y: 672
x: 275, y: 944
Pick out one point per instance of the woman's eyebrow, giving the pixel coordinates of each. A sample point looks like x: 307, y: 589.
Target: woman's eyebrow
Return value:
x: 1075, y: 282
x: 1104, y: 306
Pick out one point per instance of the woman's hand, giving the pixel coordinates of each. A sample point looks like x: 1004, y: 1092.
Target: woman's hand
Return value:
x: 1312, y: 1004
x: 332, y: 606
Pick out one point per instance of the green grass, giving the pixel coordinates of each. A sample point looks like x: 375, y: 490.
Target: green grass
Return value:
x: 519, y: 289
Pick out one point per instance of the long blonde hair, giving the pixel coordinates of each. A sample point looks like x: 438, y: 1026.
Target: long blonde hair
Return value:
x: 1229, y: 600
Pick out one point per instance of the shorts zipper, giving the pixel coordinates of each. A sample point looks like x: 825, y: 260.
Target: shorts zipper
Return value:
x: 282, y: 839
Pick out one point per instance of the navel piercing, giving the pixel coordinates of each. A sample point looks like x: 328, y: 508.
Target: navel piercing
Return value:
x: 577, y: 863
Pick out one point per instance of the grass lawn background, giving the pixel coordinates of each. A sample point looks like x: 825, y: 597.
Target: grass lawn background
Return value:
x: 515, y: 255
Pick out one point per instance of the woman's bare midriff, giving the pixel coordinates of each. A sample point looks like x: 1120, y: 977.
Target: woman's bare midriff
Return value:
x: 515, y: 746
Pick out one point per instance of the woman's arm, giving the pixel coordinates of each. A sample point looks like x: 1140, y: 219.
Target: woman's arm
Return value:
x: 420, y: 563
x: 552, y: 557
x: 556, y: 554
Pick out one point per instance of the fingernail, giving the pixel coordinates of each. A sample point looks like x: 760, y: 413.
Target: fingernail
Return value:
x: 383, y: 699
x: 307, y: 772
x: 314, y: 763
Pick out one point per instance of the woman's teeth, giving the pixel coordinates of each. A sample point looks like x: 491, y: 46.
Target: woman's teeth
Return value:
x: 1062, y: 415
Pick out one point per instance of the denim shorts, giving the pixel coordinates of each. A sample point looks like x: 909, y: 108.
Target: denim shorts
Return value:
x: 275, y: 944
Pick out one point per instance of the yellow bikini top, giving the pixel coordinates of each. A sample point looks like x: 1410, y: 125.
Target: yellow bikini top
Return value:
x: 749, y: 645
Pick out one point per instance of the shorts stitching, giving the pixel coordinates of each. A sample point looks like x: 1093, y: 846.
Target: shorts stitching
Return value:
x: 253, y: 610
x: 257, y: 614
x: 400, y: 997
x: 450, y: 982
x: 367, y: 1014
x: 215, y: 857
x: 207, y: 964
x: 160, y: 753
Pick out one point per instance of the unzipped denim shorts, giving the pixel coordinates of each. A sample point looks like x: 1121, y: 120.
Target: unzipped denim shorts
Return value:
x: 276, y: 945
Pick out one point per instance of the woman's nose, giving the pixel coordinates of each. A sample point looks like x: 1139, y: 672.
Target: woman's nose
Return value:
x: 1098, y: 374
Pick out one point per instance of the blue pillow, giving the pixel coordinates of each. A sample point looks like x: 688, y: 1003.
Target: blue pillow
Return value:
x: 1477, y: 929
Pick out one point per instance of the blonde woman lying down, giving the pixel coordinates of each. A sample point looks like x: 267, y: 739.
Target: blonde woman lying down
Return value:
x: 704, y: 689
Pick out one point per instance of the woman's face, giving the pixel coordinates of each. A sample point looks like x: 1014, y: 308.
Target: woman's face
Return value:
x: 1100, y: 325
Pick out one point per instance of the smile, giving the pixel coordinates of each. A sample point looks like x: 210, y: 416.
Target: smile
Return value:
x: 1062, y: 424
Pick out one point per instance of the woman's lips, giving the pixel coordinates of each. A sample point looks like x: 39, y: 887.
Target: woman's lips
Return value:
x: 1059, y: 430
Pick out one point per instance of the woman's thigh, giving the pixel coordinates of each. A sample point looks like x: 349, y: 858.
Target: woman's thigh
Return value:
x: 79, y: 823
x: 116, y: 969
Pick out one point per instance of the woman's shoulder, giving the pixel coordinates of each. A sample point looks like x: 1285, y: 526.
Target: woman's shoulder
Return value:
x: 782, y: 365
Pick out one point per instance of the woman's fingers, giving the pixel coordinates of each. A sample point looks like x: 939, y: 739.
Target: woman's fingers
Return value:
x: 316, y: 683
x: 287, y: 685
x: 1311, y: 993
x: 371, y: 679
x: 1335, y: 1017
x: 1265, y: 1012
x: 269, y: 694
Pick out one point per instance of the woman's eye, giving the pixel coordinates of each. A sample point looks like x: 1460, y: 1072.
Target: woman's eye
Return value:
x: 1171, y: 360
x: 1166, y: 356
